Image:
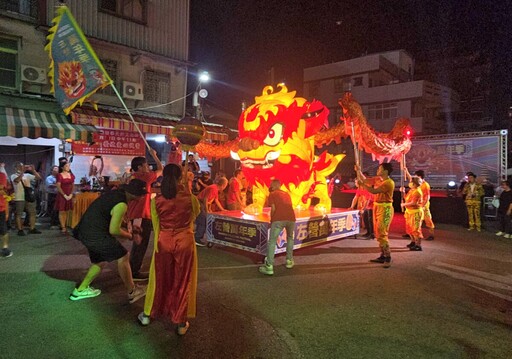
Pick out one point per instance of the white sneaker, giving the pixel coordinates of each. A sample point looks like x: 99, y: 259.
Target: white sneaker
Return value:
x: 88, y: 292
x: 507, y: 236
x: 143, y: 319
x: 500, y: 233
x: 136, y: 294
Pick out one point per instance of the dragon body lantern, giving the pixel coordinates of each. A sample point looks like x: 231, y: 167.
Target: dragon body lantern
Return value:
x: 277, y: 142
x: 277, y: 135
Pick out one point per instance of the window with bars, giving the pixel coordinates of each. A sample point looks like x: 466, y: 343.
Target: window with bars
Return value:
x: 111, y: 69
x: 383, y: 111
x: 22, y: 7
x: 8, y: 62
x: 342, y: 84
x: 133, y: 10
x: 157, y: 86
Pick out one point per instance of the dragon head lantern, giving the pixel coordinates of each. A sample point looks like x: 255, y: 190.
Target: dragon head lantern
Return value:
x: 277, y: 139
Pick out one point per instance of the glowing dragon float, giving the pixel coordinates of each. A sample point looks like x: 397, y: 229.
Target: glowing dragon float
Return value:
x: 277, y: 136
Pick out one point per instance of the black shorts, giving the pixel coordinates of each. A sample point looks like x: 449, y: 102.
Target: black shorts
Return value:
x: 107, y: 249
x: 3, y: 223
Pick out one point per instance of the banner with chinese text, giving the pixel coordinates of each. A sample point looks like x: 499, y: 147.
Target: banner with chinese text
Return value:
x: 75, y: 71
x: 112, y: 142
x: 252, y: 235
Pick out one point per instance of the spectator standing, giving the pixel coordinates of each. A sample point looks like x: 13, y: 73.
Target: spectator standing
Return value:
x: 139, y: 211
x: 505, y: 210
x: 193, y: 166
x: 64, y: 200
x: 282, y: 216
x: 208, y: 197
x: 4, y: 233
x: 473, y: 193
x: 99, y: 230
x: 95, y: 174
x: 51, y: 195
x: 22, y: 183
x: 234, y: 200
x: 173, y: 280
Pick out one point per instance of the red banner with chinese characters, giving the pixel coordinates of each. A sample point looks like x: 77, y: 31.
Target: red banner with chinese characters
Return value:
x: 112, y: 142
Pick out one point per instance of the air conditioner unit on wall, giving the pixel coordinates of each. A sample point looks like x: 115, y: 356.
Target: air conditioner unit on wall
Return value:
x: 33, y: 74
x: 132, y: 90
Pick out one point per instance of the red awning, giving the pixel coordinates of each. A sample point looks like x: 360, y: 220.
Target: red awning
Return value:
x: 146, y: 124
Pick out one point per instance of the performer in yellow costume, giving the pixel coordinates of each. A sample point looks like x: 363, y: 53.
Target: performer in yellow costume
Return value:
x: 382, y: 187
x: 473, y: 193
x: 414, y: 213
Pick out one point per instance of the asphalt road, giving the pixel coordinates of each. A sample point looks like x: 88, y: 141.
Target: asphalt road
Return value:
x: 453, y: 300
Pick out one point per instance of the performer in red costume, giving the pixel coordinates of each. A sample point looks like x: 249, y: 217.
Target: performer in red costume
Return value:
x: 172, y: 285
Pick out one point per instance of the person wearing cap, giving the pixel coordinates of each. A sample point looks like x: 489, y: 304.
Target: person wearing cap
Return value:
x: 473, y: 193
x: 100, y: 230
x: 139, y: 212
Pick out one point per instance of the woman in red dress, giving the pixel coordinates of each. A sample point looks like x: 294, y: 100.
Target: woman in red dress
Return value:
x: 64, y: 199
x: 171, y: 291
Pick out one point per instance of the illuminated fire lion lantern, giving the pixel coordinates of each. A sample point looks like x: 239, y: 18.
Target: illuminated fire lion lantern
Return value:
x: 277, y: 135
x: 277, y: 142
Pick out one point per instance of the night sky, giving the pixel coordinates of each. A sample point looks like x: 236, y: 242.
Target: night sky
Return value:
x: 238, y: 42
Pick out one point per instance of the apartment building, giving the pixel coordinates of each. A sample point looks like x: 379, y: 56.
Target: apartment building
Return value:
x: 384, y: 85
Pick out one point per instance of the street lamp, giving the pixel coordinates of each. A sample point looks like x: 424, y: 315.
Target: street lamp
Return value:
x: 203, y: 77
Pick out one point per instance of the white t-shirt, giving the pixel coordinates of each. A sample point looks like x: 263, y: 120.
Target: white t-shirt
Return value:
x: 19, y: 191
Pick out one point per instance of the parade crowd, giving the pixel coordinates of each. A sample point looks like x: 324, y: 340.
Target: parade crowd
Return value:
x: 172, y: 202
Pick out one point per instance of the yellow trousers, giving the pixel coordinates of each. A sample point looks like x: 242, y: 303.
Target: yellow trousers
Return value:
x: 474, y: 214
x: 382, y: 217
x: 413, y: 219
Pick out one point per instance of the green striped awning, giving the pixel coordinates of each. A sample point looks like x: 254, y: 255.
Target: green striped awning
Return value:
x: 17, y: 122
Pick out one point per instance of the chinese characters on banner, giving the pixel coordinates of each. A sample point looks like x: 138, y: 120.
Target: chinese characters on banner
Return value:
x: 252, y: 236
x: 112, y: 142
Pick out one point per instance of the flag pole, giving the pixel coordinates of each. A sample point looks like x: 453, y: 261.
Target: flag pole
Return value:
x: 130, y: 115
x: 356, y: 150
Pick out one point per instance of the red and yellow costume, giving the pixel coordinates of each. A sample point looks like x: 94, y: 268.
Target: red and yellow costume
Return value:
x: 172, y: 284
x: 414, y: 214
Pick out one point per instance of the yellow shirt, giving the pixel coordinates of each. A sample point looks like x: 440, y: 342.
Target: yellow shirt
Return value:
x: 425, y: 189
x: 388, y: 186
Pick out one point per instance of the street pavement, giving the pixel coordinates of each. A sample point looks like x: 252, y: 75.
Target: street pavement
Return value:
x: 453, y: 300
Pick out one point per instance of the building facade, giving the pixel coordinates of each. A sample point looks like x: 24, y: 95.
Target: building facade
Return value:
x: 384, y: 85
x: 144, y: 47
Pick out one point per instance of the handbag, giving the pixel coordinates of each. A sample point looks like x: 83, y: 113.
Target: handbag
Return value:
x: 30, y: 196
